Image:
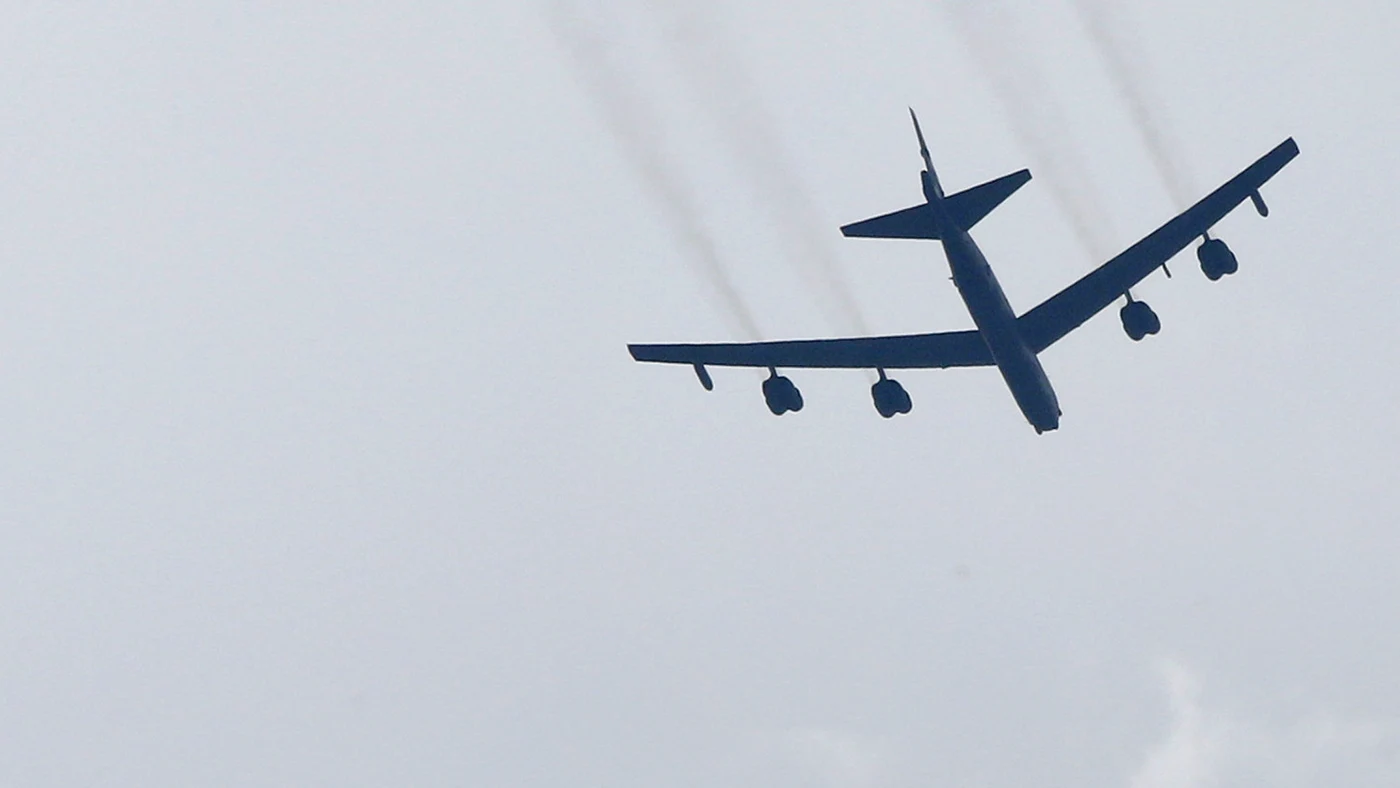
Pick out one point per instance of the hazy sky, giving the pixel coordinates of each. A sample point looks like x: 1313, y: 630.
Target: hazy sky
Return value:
x: 325, y: 463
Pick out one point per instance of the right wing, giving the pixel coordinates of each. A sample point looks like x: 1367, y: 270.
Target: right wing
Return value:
x: 914, y: 351
x: 1067, y: 310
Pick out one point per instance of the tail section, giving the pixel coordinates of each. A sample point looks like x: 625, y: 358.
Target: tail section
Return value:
x: 966, y: 208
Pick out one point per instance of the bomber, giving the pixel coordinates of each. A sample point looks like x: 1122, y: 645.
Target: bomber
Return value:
x: 1000, y: 338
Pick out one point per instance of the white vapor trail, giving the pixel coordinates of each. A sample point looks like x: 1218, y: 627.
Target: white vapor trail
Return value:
x: 990, y: 35
x: 707, y: 61
x: 639, y: 135
x: 1108, y: 30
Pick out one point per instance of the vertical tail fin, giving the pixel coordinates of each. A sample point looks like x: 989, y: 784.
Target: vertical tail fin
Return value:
x: 932, y: 178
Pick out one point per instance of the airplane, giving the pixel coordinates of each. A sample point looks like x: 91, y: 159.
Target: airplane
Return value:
x: 1000, y: 339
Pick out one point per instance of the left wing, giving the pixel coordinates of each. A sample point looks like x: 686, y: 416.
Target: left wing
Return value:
x: 1066, y: 311
x: 913, y: 351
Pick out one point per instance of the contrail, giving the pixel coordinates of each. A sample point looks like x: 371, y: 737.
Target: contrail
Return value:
x: 638, y: 134
x: 1036, y: 118
x: 1130, y: 79
x: 705, y: 58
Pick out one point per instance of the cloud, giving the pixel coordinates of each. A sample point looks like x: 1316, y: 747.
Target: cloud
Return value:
x: 1207, y: 747
x: 1186, y: 758
x: 842, y: 759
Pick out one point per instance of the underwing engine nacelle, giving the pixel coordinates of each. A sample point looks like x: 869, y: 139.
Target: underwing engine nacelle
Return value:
x: 1138, y: 319
x: 890, y: 398
x: 780, y: 394
x: 1216, y: 258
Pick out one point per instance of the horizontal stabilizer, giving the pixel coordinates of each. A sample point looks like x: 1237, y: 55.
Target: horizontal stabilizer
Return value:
x: 967, y: 208
x: 915, y: 222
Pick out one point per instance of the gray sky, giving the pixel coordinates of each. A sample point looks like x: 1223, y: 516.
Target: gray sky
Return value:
x: 325, y: 463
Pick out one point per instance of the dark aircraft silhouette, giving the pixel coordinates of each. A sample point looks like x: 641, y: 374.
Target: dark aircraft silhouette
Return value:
x: 1001, y: 339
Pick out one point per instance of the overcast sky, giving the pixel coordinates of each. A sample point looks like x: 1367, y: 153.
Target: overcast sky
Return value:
x: 324, y: 462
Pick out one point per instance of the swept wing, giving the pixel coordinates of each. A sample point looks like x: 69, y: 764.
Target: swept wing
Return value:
x: 913, y: 351
x: 1062, y: 313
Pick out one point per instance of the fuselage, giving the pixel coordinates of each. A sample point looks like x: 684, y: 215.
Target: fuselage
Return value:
x: 994, y: 317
